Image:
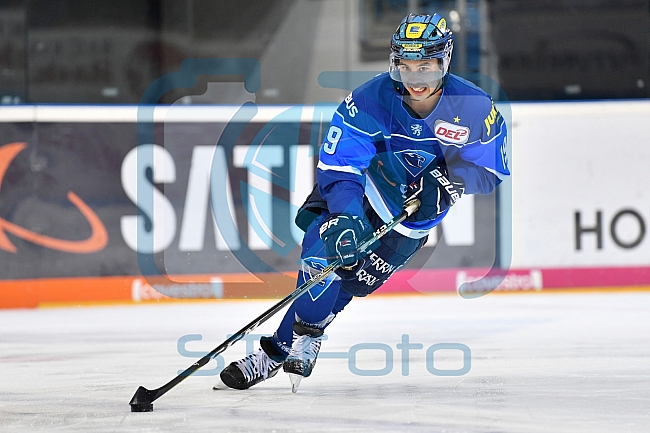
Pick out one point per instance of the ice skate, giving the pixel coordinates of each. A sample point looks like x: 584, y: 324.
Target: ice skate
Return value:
x: 304, y: 351
x: 253, y: 369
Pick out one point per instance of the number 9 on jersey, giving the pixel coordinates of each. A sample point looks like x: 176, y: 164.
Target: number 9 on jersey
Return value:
x: 333, y: 137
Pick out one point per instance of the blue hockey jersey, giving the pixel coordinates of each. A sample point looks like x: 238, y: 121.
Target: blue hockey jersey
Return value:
x: 376, y: 147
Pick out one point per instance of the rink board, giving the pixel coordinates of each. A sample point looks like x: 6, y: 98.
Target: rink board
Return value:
x: 100, y: 290
x: 565, y: 221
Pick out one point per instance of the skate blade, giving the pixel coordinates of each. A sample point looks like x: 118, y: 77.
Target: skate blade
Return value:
x: 295, y: 381
x: 220, y: 385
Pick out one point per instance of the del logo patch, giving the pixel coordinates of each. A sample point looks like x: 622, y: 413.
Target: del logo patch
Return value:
x: 451, y: 133
x: 414, y: 160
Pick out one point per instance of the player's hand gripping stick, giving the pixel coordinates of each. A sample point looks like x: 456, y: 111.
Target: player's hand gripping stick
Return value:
x: 341, y: 234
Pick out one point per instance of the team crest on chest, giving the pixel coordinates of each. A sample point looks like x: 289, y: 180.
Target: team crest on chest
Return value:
x: 416, y: 129
x: 414, y: 160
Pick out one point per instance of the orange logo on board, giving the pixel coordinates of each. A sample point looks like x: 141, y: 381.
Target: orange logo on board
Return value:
x: 95, y: 242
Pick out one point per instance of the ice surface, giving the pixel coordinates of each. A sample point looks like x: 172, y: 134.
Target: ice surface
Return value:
x: 572, y: 362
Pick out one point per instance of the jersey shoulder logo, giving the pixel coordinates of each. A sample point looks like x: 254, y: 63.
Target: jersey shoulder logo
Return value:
x: 451, y: 133
x: 414, y: 160
x: 490, y: 119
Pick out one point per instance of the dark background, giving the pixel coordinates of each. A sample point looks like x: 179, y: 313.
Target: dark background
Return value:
x: 80, y: 51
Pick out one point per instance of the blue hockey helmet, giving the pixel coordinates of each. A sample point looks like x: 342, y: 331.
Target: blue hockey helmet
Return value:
x: 422, y: 37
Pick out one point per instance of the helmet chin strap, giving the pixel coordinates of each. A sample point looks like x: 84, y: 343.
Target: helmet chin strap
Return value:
x: 434, y: 92
x: 410, y: 99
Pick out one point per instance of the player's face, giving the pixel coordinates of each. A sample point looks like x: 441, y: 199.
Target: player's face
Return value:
x: 420, y: 77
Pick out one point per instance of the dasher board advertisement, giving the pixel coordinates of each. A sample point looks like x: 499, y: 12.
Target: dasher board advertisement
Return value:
x: 581, y: 184
x: 223, y: 188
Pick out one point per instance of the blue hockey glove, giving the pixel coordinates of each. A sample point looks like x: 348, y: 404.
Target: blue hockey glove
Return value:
x: 439, y: 192
x: 341, y: 234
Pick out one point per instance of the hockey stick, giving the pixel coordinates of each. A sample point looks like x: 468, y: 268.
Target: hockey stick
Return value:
x: 143, y: 398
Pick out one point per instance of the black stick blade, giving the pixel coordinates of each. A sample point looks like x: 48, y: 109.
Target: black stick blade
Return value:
x: 142, y: 400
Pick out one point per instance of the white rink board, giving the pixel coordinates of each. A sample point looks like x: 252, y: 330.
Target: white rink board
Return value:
x: 564, y: 363
x: 580, y: 157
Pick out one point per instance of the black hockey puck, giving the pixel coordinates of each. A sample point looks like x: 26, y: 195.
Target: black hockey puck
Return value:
x: 146, y: 407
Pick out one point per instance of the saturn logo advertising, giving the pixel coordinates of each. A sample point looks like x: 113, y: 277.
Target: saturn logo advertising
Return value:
x: 95, y: 242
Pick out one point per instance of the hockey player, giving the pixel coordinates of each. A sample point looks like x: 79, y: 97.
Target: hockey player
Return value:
x: 415, y: 127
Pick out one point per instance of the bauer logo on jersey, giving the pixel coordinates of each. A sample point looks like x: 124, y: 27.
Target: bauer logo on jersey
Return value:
x: 449, y: 132
x: 414, y: 161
